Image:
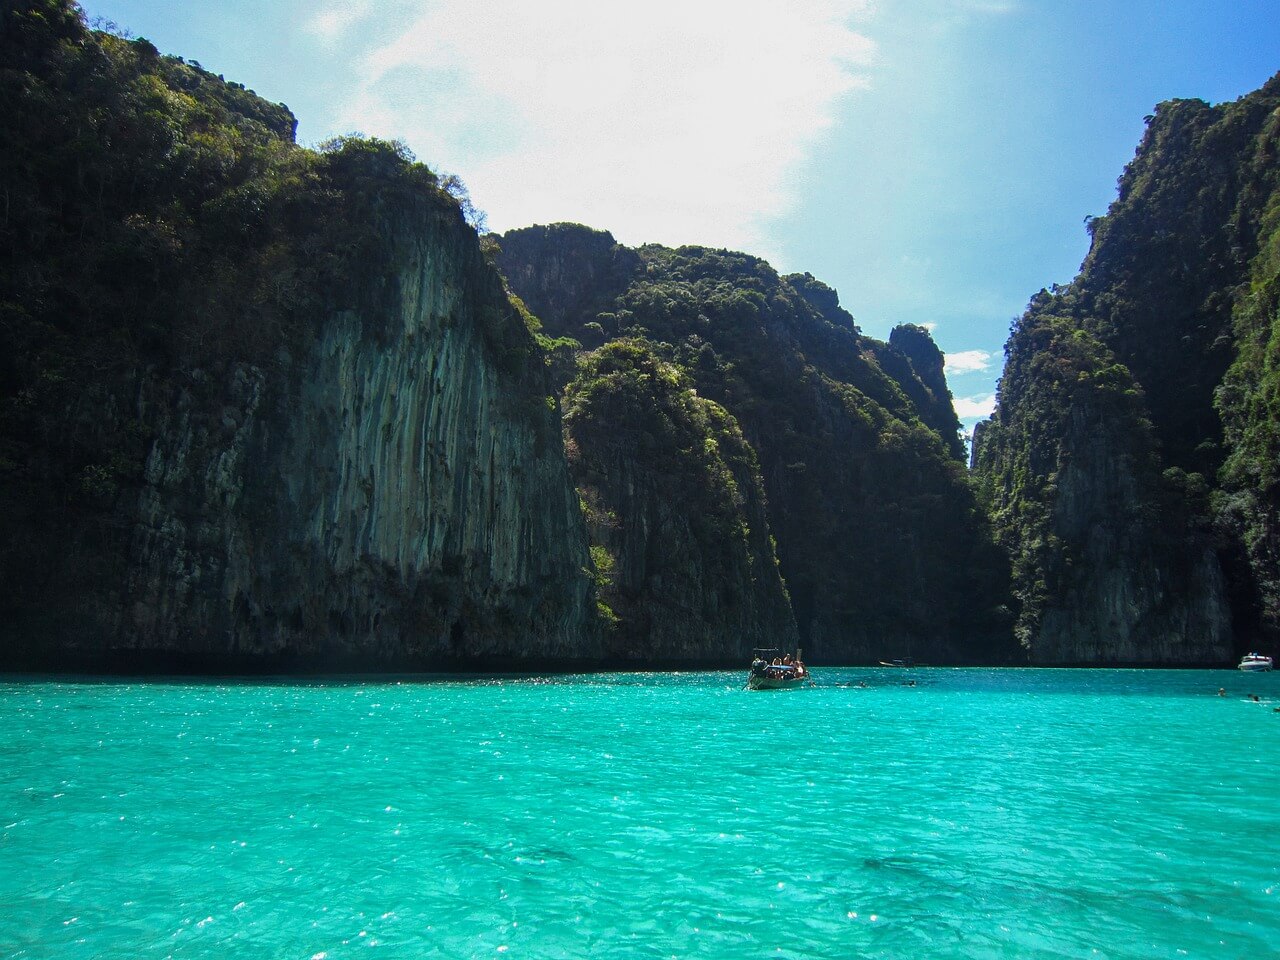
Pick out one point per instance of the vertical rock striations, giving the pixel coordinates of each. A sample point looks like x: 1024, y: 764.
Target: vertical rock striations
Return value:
x: 258, y: 404
x: 396, y: 494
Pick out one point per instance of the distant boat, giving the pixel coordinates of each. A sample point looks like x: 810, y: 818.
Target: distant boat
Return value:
x: 771, y: 671
x: 1255, y: 663
x: 908, y: 662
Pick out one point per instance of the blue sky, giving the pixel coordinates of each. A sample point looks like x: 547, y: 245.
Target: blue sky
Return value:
x: 933, y: 160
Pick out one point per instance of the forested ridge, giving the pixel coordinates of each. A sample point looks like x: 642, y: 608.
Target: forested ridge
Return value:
x: 239, y: 380
x: 1128, y: 465
x: 880, y: 541
x: 270, y: 404
x: 195, y: 308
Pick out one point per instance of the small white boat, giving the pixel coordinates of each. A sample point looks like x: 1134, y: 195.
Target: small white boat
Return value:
x: 1255, y: 663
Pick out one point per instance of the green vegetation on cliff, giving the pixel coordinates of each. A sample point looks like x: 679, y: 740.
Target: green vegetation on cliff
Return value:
x: 172, y: 270
x: 1100, y: 462
x: 1249, y: 397
x: 676, y: 513
x: 881, y: 543
x: 1107, y: 562
x: 926, y: 383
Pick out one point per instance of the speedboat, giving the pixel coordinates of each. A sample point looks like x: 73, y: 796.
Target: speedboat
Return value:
x: 1255, y: 663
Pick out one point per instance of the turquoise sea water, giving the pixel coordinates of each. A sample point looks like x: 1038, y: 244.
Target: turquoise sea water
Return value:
x: 980, y: 813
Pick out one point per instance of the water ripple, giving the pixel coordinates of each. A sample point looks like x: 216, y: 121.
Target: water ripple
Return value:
x: 1023, y: 813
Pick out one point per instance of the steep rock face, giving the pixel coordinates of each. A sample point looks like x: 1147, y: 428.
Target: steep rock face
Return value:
x: 1133, y: 596
x: 881, y: 544
x: 397, y: 495
x: 578, y: 275
x: 1156, y: 316
x: 1166, y: 262
x: 1248, y: 401
x: 259, y: 405
x: 1111, y: 566
x: 676, y: 512
x: 927, y: 364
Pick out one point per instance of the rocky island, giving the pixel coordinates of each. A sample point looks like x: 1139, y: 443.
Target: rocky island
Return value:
x: 266, y: 407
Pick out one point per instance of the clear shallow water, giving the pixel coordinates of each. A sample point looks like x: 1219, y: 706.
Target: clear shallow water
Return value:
x: 981, y: 813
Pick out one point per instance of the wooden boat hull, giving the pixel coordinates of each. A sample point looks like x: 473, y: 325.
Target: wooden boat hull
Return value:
x: 776, y: 683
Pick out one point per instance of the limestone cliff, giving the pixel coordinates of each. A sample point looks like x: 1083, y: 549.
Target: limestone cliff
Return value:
x: 880, y: 542
x: 676, y: 512
x: 396, y: 493
x: 1111, y: 564
x: 573, y: 276
x: 1248, y: 400
x: 259, y: 405
x: 1138, y: 527
x: 927, y: 382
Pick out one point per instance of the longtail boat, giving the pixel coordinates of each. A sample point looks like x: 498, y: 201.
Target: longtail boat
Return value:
x: 772, y: 671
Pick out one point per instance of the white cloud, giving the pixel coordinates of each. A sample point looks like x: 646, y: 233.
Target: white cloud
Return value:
x: 975, y: 408
x: 334, y: 21
x: 967, y: 361
x: 669, y: 120
x: 996, y: 7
